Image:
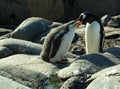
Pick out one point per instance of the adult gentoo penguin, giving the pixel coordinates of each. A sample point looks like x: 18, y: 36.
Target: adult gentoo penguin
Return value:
x: 58, y: 41
x: 94, y: 33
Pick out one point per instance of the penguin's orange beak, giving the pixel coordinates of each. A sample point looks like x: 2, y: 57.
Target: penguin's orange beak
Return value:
x: 79, y: 22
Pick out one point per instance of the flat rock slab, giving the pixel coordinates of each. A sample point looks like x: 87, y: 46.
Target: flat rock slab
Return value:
x: 114, y: 51
x: 108, y: 82
x: 110, y: 71
x: 77, y: 68
x: 108, y: 78
x: 4, y: 52
x: 103, y: 60
x: 75, y: 82
x: 6, y: 83
x: 27, y: 69
x: 16, y: 46
x: 89, y: 64
x: 4, y: 31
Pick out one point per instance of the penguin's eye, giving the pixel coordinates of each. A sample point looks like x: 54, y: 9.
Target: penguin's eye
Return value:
x: 83, y: 16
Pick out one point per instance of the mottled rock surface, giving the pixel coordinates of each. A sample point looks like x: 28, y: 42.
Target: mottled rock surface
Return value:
x: 111, y: 21
x: 31, y: 28
x: 106, y: 82
x: 76, y: 82
x: 15, y: 46
x: 29, y: 70
x: 78, y: 67
x: 6, y: 83
x: 4, y: 31
x: 108, y: 78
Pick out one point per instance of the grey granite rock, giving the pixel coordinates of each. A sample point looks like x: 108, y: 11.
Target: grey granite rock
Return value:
x: 13, y: 12
x: 4, y: 52
x: 78, y: 67
x: 30, y: 71
x: 49, y: 9
x: 113, y: 23
x: 106, y: 82
x: 110, y: 71
x: 76, y: 82
x: 114, y: 51
x: 105, y: 19
x: 112, y: 33
x: 89, y: 64
x: 108, y: 78
x: 4, y: 31
x: 101, y: 60
x: 31, y: 28
x: 16, y: 46
x: 6, y: 83
x: 53, y: 82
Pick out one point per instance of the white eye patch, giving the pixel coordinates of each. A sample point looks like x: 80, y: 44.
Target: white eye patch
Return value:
x: 84, y: 16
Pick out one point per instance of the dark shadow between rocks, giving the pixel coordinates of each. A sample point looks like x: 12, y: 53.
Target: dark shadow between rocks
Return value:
x: 114, y: 36
x: 76, y: 82
x: 114, y: 51
x: 98, y: 60
x: 62, y: 65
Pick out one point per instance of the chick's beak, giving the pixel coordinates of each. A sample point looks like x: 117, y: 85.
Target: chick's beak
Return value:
x: 79, y: 22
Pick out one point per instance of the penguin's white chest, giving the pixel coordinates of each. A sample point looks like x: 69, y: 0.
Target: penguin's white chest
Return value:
x: 64, y: 46
x: 92, y: 37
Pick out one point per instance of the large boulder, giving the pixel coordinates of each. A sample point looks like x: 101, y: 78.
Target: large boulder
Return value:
x: 13, y: 12
x: 106, y: 82
x: 33, y: 28
x: 76, y: 82
x: 31, y: 71
x: 89, y: 64
x: 10, y: 84
x: 114, y: 21
x: 100, y: 8
x: 4, y: 31
x: 108, y: 78
x: 49, y: 9
x: 15, y: 46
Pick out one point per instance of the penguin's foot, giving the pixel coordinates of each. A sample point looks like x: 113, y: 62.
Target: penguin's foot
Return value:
x: 64, y: 60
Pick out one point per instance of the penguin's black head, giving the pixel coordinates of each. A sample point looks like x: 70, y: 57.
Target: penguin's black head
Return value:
x: 87, y: 17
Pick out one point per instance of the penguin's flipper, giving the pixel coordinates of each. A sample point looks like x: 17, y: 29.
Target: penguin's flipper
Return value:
x: 102, y: 38
x: 56, y: 44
